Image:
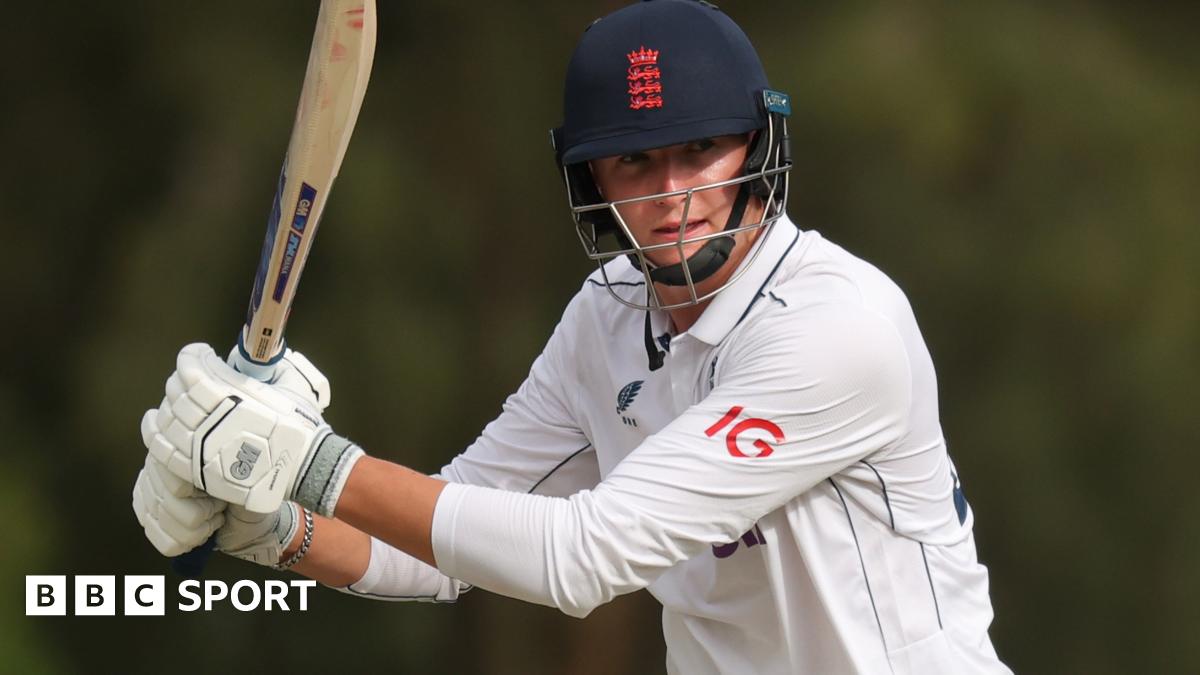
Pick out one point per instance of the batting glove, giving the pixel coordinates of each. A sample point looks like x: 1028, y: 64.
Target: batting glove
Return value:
x: 175, y: 515
x: 177, y: 518
x: 246, y: 442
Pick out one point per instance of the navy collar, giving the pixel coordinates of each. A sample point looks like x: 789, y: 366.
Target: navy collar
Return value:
x: 731, y: 305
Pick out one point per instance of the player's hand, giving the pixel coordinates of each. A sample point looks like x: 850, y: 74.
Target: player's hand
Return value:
x: 296, y: 375
x: 177, y: 518
x: 233, y: 437
x: 174, y: 514
x: 258, y: 537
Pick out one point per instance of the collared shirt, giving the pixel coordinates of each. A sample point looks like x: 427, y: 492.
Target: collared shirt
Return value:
x: 780, y: 484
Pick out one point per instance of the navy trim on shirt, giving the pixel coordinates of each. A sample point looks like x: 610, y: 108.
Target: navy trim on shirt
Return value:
x: 861, y: 562
x: 397, y: 598
x: 601, y: 284
x: 557, y: 467
x: 929, y: 576
x: 769, y: 277
x: 883, y: 487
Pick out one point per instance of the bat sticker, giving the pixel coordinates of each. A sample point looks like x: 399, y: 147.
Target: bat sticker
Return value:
x: 264, y: 259
x: 308, y: 195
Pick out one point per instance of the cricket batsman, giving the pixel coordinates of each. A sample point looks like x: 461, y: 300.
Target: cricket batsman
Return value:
x: 733, y: 413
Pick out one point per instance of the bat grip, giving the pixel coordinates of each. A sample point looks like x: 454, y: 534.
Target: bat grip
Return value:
x: 192, y: 563
x: 263, y: 371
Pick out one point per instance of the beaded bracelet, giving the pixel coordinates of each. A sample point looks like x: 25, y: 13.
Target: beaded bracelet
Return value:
x: 304, y: 544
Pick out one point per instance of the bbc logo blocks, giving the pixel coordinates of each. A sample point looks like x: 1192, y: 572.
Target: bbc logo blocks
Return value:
x: 95, y: 595
x: 145, y: 595
x: 46, y: 595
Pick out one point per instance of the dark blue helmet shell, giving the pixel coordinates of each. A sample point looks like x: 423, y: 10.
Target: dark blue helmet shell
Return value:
x: 659, y: 73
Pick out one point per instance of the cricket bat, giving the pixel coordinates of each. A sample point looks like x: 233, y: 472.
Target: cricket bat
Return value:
x: 339, y: 65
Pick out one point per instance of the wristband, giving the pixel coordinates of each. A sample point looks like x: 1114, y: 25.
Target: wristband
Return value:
x: 322, y: 478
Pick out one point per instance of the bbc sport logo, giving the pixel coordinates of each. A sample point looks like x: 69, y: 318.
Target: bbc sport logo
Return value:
x: 145, y: 595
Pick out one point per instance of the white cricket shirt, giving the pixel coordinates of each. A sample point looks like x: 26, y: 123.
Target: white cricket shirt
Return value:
x: 780, y: 484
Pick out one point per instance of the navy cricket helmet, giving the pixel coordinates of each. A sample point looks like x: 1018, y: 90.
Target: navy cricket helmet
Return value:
x: 661, y: 73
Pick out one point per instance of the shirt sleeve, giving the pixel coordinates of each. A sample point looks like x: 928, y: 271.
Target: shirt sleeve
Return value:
x: 802, y: 395
x: 394, y: 575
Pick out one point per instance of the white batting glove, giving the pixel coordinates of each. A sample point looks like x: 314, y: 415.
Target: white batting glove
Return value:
x: 257, y: 537
x: 177, y: 518
x: 296, y: 375
x: 247, y: 442
x: 175, y: 515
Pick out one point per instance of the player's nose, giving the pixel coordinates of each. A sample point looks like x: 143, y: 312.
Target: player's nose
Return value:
x: 671, y: 178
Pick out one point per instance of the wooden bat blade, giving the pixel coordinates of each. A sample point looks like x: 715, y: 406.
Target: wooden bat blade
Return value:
x: 339, y: 66
x: 335, y: 81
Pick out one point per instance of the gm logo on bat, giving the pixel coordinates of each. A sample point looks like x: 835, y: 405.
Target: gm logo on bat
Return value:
x: 308, y: 195
x: 145, y: 595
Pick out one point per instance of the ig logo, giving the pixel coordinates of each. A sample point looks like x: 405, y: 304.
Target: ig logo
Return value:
x: 731, y: 438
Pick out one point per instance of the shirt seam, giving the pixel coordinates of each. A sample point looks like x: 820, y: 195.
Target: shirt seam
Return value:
x: 863, y: 564
x: 771, y: 275
x: 557, y: 467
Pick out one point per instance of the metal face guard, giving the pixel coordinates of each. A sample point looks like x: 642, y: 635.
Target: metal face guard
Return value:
x: 603, y: 243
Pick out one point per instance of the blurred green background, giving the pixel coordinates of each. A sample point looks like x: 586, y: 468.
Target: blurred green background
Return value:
x: 1027, y: 172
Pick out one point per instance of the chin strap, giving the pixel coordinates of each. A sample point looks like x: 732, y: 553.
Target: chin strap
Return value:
x: 701, y: 265
x: 705, y: 262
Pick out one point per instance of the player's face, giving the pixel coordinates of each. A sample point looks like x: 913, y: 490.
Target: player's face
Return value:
x: 676, y: 167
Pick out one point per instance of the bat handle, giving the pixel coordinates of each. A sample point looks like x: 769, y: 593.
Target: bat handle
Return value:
x: 263, y: 371
x: 192, y: 563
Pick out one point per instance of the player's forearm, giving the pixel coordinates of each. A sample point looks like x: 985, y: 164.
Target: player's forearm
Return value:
x: 393, y: 503
x: 349, y: 560
x: 574, y: 554
x: 397, y: 505
x: 557, y: 552
x: 338, y: 556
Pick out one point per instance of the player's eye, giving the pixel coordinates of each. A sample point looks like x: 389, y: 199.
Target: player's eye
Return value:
x: 632, y: 158
x: 701, y: 145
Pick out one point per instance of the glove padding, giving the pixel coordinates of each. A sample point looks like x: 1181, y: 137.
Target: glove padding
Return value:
x: 177, y: 518
x: 259, y: 538
x: 233, y: 437
x: 174, y: 514
x: 297, y: 375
